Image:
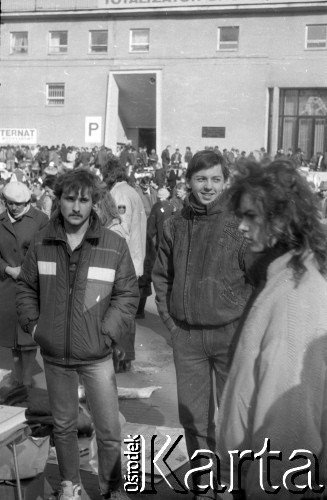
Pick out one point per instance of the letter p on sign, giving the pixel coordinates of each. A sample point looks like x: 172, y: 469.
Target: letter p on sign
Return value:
x: 93, y: 129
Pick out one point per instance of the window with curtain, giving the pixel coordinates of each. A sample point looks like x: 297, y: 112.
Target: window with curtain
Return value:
x: 139, y: 40
x: 303, y: 120
x: 58, y: 42
x: 19, y: 42
x: 55, y: 95
x: 316, y: 36
x: 98, y: 41
x: 228, y: 37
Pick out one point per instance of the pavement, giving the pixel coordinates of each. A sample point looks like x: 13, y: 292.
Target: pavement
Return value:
x: 153, y: 367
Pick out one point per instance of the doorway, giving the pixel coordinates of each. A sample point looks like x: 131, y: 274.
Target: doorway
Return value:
x: 134, y: 109
x: 147, y: 138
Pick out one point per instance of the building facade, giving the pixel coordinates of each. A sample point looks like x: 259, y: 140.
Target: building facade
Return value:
x: 233, y: 73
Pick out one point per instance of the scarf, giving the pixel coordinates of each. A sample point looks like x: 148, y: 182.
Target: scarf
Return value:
x: 13, y: 219
x: 197, y: 207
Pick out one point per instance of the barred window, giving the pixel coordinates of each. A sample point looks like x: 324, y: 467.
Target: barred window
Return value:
x: 98, y: 41
x: 55, y: 94
x: 228, y: 38
x: 58, y: 42
x: 139, y: 40
x: 316, y: 36
x: 19, y: 42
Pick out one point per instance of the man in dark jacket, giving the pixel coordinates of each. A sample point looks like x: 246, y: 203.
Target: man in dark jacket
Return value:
x: 77, y: 293
x: 165, y: 157
x: 201, y: 290
x: 159, y: 175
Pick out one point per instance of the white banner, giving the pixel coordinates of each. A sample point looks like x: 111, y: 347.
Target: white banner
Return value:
x: 93, y: 129
x: 18, y: 136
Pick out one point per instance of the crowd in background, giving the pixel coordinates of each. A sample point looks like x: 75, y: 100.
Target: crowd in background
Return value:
x: 258, y: 243
x: 148, y: 172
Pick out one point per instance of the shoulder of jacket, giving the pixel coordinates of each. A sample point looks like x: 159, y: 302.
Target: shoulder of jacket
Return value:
x: 231, y: 225
x: 111, y: 239
x: 38, y: 215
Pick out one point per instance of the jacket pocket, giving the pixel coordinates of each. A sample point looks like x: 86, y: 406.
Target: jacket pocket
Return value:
x: 228, y: 294
x: 97, y: 298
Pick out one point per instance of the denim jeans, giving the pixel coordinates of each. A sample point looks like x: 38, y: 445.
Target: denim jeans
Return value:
x: 201, y: 359
x: 101, y: 392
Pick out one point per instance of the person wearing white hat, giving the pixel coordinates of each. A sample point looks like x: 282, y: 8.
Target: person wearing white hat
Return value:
x: 18, y: 224
x: 51, y: 169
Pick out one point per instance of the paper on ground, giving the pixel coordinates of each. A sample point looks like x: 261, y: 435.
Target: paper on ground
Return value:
x: 136, y: 392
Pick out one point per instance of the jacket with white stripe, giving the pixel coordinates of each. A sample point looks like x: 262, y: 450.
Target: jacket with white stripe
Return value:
x: 78, y: 324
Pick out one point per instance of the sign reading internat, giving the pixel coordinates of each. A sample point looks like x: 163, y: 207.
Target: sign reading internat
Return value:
x: 18, y: 136
x: 93, y: 129
x: 219, y: 132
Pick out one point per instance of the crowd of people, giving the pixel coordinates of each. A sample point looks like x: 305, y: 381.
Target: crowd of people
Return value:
x: 235, y: 247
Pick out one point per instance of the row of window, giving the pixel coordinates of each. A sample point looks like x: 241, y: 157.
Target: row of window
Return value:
x: 139, y: 40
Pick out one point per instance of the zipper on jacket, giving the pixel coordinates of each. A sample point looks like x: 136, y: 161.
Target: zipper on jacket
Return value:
x: 68, y: 348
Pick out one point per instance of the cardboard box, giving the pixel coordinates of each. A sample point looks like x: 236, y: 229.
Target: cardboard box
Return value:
x: 32, y: 489
x: 32, y: 456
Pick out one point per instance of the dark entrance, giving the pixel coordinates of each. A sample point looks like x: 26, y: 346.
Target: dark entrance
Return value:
x: 147, y: 138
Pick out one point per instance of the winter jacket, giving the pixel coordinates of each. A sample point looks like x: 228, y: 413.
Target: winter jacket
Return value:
x: 77, y: 325
x: 277, y: 386
x: 200, y: 272
x: 149, y: 198
x: 160, y: 177
x: 160, y: 212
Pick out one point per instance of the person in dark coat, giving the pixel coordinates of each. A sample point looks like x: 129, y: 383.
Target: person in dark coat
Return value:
x: 153, y: 158
x: 165, y: 157
x: 188, y: 155
x: 171, y: 179
x: 159, y: 176
x: 147, y: 194
x: 101, y: 157
x: 18, y: 224
x: 159, y: 213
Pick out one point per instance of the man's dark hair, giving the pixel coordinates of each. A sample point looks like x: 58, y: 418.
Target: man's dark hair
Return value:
x: 205, y: 159
x: 117, y: 174
x: 113, y: 172
x: 78, y: 180
x: 50, y: 181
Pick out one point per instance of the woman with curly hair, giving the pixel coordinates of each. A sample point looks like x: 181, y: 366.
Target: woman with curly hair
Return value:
x: 275, y: 398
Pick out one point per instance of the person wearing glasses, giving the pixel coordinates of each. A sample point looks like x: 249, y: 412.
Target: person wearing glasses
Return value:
x: 18, y: 224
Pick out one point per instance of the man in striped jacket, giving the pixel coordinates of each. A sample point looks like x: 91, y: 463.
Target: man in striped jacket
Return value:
x: 76, y: 294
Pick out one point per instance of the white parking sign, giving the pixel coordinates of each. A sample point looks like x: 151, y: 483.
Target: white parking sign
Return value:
x: 93, y: 129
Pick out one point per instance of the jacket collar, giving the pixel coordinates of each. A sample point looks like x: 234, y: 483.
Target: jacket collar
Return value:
x: 56, y: 230
x: 4, y: 215
x: 218, y: 205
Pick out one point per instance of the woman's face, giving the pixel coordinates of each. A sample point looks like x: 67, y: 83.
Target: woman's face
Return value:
x: 253, y: 224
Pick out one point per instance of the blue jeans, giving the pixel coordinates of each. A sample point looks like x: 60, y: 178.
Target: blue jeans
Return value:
x: 101, y: 392
x: 201, y: 359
